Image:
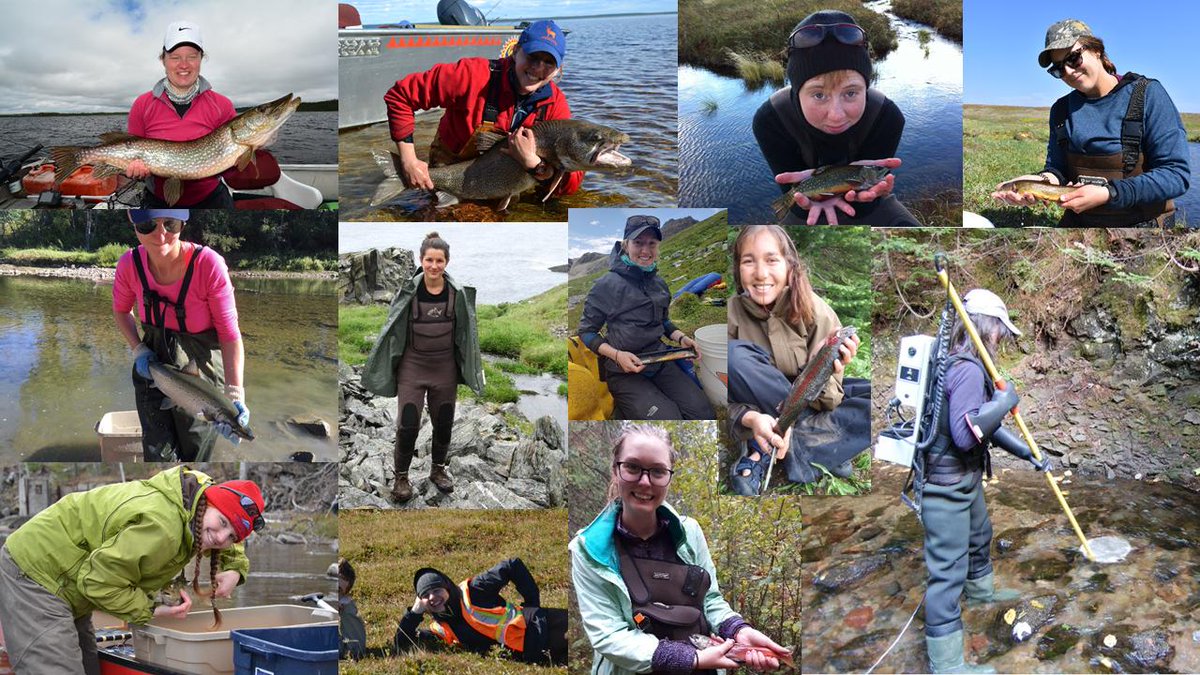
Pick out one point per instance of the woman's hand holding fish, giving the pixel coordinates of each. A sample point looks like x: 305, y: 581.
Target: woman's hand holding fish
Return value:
x: 416, y: 172
x: 848, y: 349
x: 1016, y: 198
x: 1085, y: 198
x: 881, y: 189
x: 759, y: 660
x: 629, y: 362
x: 522, y: 146
x: 827, y: 206
x: 714, y: 657
x: 179, y: 611
x: 762, y: 426
x: 226, y: 582
x: 137, y: 170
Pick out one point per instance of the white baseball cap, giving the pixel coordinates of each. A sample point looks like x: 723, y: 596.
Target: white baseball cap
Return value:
x: 983, y: 301
x: 180, y: 32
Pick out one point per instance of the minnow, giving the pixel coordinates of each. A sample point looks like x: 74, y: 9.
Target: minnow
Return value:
x: 739, y: 651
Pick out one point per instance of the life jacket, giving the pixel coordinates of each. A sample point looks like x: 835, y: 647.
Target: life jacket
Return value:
x: 154, y: 306
x: 505, y: 625
x: 788, y: 109
x: 1127, y: 163
x: 944, y: 463
x: 440, y: 155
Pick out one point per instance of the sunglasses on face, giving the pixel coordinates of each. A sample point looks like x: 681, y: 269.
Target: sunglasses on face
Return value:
x: 170, y: 225
x: 632, y: 473
x: 812, y: 35
x: 1073, y: 60
x: 250, y: 507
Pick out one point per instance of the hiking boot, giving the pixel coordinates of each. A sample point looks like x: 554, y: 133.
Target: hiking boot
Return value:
x: 983, y: 590
x: 402, y: 490
x: 440, y: 479
x: 843, y: 470
x: 946, y: 655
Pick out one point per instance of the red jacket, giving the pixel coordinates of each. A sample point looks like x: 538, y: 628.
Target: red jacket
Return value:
x: 462, y: 88
x: 155, y: 117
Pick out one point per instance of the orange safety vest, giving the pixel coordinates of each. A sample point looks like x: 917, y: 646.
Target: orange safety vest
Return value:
x: 505, y: 625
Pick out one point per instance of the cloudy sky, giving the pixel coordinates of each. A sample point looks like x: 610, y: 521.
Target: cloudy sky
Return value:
x: 98, y: 56
x: 425, y: 11
x: 597, y: 229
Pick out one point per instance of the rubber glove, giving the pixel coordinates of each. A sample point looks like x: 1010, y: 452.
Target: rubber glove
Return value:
x: 142, y: 356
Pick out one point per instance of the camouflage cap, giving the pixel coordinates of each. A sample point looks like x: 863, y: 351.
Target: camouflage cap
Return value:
x: 1061, y: 36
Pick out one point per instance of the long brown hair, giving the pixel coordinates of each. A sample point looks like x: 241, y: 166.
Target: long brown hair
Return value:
x: 1096, y: 45
x: 214, y: 562
x: 629, y: 430
x: 800, y: 305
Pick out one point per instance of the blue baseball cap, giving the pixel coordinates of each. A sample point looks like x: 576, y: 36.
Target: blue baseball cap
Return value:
x: 146, y: 215
x: 544, y: 36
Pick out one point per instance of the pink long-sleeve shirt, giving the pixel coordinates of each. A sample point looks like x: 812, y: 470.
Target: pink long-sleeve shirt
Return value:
x: 209, y: 303
x: 154, y: 117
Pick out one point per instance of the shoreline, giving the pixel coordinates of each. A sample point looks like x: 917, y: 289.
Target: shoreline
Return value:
x: 98, y: 274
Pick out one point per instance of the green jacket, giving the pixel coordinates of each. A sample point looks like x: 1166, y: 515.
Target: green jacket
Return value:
x: 112, y: 548
x: 604, y: 604
x: 379, y: 374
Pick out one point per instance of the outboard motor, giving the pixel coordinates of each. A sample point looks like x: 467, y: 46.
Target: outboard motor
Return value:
x: 459, y: 13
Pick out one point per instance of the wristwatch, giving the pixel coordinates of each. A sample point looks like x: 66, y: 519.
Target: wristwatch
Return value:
x: 535, y: 171
x: 1112, y: 193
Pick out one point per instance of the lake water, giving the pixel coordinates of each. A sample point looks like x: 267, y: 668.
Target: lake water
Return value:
x: 63, y: 365
x: 619, y: 71
x: 721, y: 165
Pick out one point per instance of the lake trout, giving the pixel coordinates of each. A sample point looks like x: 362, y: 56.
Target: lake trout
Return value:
x: 197, y: 396
x: 231, y: 143
x: 566, y: 145
x: 829, y: 181
x: 1041, y: 189
x: 739, y: 651
x: 812, y: 380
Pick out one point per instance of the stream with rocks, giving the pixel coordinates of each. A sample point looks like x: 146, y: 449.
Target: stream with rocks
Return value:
x: 864, y: 575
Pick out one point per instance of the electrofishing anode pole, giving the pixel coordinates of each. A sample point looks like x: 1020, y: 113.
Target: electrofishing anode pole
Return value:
x: 939, y: 261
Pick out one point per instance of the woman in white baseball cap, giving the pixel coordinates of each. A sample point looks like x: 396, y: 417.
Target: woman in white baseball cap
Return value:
x: 182, y: 106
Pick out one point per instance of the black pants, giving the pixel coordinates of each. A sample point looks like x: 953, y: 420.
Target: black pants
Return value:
x: 545, y: 636
x: 669, y: 394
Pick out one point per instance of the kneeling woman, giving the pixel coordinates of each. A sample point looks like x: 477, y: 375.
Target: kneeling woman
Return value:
x: 112, y: 549
x: 645, y: 580
x: 429, y: 344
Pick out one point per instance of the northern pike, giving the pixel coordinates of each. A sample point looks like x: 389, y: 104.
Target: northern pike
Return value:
x: 231, y: 143
x: 566, y: 145
x: 812, y: 380
x: 197, y: 396
x: 667, y: 355
x: 739, y: 651
x: 1041, y: 189
x: 829, y: 181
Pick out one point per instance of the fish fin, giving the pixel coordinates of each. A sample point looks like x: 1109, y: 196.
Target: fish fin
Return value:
x: 445, y: 199
x: 389, y: 162
x: 557, y: 180
x: 245, y: 159
x: 105, y: 170
x: 66, y: 161
x: 166, y: 404
x: 191, y: 368
x: 172, y: 190
x: 504, y: 204
x: 392, y: 186
x: 783, y: 205
x: 822, y: 169
x: 117, y: 137
x: 487, y: 140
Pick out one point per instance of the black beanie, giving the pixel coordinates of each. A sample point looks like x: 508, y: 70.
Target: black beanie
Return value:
x: 830, y: 55
x: 428, y: 581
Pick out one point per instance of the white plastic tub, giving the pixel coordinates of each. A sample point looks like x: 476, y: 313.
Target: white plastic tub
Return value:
x: 714, y: 358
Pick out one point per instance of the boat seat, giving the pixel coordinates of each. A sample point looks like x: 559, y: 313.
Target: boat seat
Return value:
x: 264, y: 173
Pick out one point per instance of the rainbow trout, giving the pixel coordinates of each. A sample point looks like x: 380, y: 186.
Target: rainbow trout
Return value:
x: 738, y: 651
x: 231, y: 143
x: 829, y: 181
x: 812, y: 380
x: 1041, y: 189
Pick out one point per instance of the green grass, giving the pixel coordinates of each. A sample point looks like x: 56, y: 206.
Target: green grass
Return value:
x: 108, y: 255
x: 284, y: 263
x: 1001, y: 143
x: 49, y: 257
x: 758, y: 70
x: 358, y: 326
x: 944, y: 15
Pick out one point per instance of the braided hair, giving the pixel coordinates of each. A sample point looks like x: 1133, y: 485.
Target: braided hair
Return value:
x: 214, y: 563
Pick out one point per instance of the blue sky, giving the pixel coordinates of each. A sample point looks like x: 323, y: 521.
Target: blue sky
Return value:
x: 425, y: 11
x: 597, y: 229
x: 1001, y: 42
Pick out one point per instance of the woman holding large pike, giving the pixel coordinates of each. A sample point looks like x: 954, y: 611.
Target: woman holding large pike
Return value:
x: 646, y: 583
x: 827, y: 118
x: 185, y: 304
x: 631, y: 304
x: 777, y: 328
x: 426, y: 347
x: 506, y: 95
x: 112, y: 548
x: 1116, y: 140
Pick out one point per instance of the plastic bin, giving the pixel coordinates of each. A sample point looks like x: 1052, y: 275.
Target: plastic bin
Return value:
x: 190, y: 646
x: 311, y: 650
x: 120, y: 436
x: 714, y: 355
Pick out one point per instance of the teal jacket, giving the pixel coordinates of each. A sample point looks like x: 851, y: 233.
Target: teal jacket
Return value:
x: 604, y: 604
x: 379, y: 374
x: 114, y: 547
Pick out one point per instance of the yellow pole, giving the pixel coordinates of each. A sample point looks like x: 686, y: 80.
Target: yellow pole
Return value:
x: 995, y: 375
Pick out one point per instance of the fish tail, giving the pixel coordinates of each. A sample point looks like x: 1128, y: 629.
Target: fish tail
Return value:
x: 392, y: 186
x: 66, y: 161
x: 784, y: 204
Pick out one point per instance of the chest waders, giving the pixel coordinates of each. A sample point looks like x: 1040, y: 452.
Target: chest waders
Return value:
x: 667, y: 597
x: 172, y: 435
x: 1114, y: 166
x: 441, y: 155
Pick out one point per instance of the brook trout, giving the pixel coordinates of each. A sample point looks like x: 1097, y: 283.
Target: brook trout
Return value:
x: 566, y: 145
x: 829, y: 181
x: 667, y: 355
x: 199, y: 397
x: 739, y: 651
x: 1042, y: 190
x: 231, y: 143
x: 811, y: 381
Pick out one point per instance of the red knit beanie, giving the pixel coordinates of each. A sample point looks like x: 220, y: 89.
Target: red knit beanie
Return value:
x: 225, y: 498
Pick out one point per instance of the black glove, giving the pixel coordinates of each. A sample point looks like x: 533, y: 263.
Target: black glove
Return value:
x: 985, y: 422
x: 1010, y: 443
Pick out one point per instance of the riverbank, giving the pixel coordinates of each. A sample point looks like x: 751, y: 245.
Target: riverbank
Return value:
x: 945, y: 16
x: 99, y: 274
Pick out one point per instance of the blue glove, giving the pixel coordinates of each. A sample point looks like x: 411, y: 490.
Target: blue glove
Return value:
x: 142, y: 356
x: 243, y: 418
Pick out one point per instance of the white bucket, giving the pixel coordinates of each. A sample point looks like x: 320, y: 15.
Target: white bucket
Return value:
x: 714, y: 358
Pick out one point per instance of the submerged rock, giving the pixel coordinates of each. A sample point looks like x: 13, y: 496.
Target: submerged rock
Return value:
x: 1046, y: 567
x: 858, y: 654
x: 1056, y: 642
x: 1127, y: 650
x: 844, y: 575
x: 1017, y: 623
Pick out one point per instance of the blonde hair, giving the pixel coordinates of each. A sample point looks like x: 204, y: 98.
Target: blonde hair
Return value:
x: 629, y: 430
x: 833, y: 79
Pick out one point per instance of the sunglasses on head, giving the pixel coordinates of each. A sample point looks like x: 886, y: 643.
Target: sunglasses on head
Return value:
x: 250, y: 507
x: 1073, y: 60
x: 170, y: 225
x: 813, y: 34
x: 638, y: 221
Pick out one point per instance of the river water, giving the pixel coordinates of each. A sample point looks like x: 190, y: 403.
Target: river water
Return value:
x: 619, y: 71
x: 873, y: 546
x: 63, y: 365
x: 1188, y: 206
x: 720, y: 162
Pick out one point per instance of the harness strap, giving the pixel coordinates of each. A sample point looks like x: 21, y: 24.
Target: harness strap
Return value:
x: 1131, y: 126
x: 153, y: 301
x: 638, y: 592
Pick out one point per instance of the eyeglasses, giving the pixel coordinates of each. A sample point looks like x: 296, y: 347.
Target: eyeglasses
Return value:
x: 170, y: 225
x: 813, y: 34
x: 250, y: 507
x: 1073, y: 60
x: 632, y: 473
